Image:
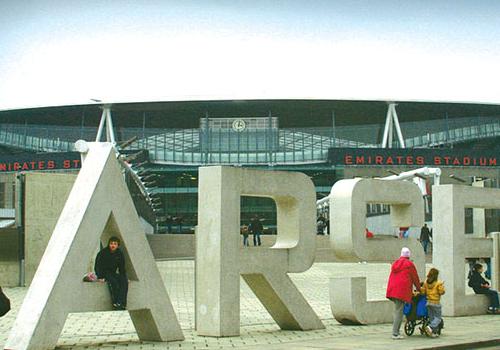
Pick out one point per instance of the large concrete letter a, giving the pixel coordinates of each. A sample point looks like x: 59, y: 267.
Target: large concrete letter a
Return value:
x: 219, y: 261
x: 98, y: 206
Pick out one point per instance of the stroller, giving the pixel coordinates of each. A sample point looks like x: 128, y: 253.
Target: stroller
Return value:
x: 416, y: 315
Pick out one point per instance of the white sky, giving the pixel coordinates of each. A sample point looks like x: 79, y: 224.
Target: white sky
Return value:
x: 66, y: 52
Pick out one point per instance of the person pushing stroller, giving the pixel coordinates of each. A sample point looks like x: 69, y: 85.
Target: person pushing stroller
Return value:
x: 402, y: 278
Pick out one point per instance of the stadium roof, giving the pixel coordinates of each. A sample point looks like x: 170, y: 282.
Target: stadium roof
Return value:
x: 291, y: 113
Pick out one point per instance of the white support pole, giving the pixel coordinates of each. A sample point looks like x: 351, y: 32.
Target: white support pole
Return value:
x: 396, y: 124
x: 386, y: 128
x: 109, y: 125
x: 437, y: 178
x: 106, y: 122
x: 101, y: 126
x: 391, y: 132
x: 107, y: 129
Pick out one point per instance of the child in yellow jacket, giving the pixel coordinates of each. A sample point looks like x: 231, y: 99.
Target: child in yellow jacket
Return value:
x: 433, y: 289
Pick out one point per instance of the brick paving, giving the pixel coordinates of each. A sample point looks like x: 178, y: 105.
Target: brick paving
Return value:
x: 114, y: 330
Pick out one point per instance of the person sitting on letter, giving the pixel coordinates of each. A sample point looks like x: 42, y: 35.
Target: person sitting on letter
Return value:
x: 110, y: 267
x: 481, y: 286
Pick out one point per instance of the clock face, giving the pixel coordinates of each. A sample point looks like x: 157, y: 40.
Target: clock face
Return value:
x: 239, y: 125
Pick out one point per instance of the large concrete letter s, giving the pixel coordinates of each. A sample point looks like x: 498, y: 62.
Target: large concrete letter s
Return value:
x: 219, y: 261
x: 348, y: 200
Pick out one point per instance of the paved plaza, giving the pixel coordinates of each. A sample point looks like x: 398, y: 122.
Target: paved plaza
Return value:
x: 114, y: 330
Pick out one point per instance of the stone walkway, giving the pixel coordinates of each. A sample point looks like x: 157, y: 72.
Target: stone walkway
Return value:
x: 114, y: 330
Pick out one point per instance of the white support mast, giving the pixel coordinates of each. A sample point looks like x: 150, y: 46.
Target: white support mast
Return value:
x: 106, y: 122
x: 391, y: 123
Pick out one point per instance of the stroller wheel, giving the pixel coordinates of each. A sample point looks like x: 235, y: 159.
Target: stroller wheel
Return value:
x: 409, y: 327
x: 423, y: 324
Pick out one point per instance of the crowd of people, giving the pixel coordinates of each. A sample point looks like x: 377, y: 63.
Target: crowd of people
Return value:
x: 176, y: 221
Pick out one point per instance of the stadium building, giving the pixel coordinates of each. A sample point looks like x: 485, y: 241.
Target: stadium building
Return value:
x: 164, y: 143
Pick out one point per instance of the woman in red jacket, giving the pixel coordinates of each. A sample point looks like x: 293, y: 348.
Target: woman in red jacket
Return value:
x: 399, y: 288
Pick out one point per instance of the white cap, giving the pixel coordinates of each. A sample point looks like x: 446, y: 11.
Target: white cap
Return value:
x: 405, y: 252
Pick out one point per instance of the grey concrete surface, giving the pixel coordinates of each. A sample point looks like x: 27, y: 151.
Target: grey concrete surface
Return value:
x: 114, y: 330
x: 45, y: 195
x: 99, y: 206
x: 452, y: 246
x: 219, y: 262
x: 348, y: 200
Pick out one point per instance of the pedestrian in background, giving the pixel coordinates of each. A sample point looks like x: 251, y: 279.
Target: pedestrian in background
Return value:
x: 244, y: 232
x: 256, y: 229
x: 425, y: 237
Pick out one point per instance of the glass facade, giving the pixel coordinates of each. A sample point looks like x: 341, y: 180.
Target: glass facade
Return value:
x: 174, y: 154
x: 251, y: 141
x: 178, y: 190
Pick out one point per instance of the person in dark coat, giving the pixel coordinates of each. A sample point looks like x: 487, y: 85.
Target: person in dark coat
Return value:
x: 256, y: 229
x: 425, y: 237
x: 110, y: 267
x: 399, y: 287
x: 170, y: 222
x: 481, y: 286
x: 179, y: 220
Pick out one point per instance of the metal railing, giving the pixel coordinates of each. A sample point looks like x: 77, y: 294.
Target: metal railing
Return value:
x: 21, y: 136
x: 463, y: 134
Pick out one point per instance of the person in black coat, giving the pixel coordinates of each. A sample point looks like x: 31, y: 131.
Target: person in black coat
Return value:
x: 481, y: 286
x: 110, y: 267
x: 256, y: 229
x: 425, y: 237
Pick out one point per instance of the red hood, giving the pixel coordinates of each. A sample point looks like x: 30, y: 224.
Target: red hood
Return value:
x: 401, y: 264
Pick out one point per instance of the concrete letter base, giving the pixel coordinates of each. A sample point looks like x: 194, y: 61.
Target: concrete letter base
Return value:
x: 351, y: 306
x: 98, y: 207
x: 283, y: 301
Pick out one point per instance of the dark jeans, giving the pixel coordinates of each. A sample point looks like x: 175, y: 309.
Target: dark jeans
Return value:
x: 245, y: 240
x: 492, y: 295
x: 425, y: 244
x: 256, y: 238
x: 118, y: 287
